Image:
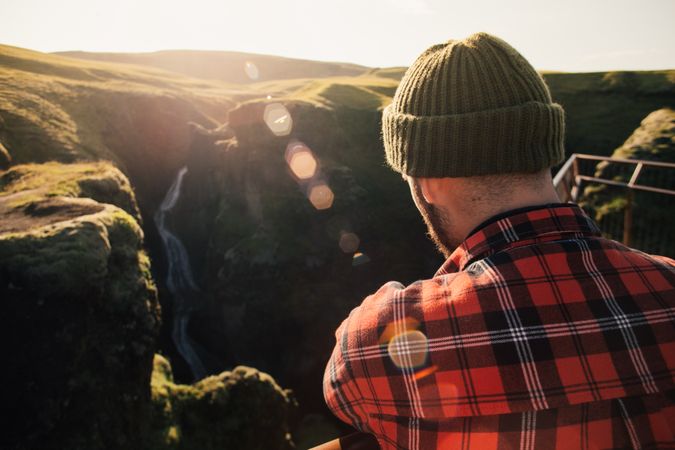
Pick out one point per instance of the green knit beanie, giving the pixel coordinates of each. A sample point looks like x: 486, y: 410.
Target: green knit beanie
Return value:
x: 472, y: 107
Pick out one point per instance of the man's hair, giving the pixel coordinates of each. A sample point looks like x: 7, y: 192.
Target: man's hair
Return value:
x: 486, y: 189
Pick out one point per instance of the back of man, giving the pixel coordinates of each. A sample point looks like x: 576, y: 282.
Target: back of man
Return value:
x: 537, y: 332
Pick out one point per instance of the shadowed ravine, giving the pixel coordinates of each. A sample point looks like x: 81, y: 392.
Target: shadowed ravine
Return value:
x: 179, y: 280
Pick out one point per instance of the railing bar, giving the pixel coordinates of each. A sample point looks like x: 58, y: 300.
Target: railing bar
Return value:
x: 624, y: 160
x: 618, y: 183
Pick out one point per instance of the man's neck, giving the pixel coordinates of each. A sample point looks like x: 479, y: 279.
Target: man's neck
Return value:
x: 477, y: 215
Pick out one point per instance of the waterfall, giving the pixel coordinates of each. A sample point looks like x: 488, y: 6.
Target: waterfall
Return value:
x: 179, y: 280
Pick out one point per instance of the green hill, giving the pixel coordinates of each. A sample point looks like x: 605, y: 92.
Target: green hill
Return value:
x: 653, y: 221
x: 602, y: 108
x: 227, y: 66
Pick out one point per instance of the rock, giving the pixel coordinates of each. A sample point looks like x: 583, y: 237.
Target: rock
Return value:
x: 238, y: 409
x: 79, y: 308
x: 652, y: 219
x: 653, y: 140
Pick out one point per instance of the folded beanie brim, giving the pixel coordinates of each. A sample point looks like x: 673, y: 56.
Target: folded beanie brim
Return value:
x: 523, y: 138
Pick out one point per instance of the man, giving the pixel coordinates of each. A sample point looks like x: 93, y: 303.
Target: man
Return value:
x: 536, y: 332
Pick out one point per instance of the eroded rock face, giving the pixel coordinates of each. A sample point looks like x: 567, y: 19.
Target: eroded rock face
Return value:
x: 653, y: 140
x: 79, y: 309
x: 652, y: 227
x: 238, y: 409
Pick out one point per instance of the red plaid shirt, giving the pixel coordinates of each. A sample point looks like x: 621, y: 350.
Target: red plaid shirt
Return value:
x: 535, y: 333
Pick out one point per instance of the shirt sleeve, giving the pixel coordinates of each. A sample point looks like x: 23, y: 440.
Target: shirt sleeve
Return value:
x: 339, y: 387
x: 355, y: 381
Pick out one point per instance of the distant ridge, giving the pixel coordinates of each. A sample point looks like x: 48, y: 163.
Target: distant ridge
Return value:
x: 227, y: 66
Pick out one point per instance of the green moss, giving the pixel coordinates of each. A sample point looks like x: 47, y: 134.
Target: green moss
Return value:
x: 653, y: 222
x: 81, y: 309
x: 100, y: 181
x: 602, y: 108
x: 243, y: 408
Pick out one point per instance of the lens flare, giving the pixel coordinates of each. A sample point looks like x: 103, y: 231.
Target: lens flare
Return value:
x: 409, y: 349
x: 321, y: 196
x: 278, y: 119
x: 359, y: 259
x: 349, y: 242
x: 251, y: 70
x: 302, y: 162
x: 423, y: 373
x: 407, y: 323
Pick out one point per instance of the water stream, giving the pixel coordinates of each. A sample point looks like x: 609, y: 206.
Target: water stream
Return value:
x: 180, y: 280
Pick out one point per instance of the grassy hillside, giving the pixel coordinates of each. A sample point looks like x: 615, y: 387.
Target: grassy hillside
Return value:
x: 54, y: 108
x: 366, y: 92
x: 653, y: 224
x: 603, y: 108
x: 227, y: 66
x: 57, y: 107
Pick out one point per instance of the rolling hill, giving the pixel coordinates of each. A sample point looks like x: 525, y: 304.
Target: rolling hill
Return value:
x: 233, y: 67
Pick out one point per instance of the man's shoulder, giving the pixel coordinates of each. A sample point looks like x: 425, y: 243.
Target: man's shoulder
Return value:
x: 444, y: 286
x: 534, y: 274
x: 419, y: 302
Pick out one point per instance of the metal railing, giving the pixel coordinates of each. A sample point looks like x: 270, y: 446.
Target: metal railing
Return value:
x: 617, y: 193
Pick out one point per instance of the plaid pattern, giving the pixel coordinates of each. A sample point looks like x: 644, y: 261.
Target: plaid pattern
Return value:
x: 535, y: 333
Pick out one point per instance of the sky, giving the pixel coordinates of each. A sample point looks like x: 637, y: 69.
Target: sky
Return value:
x: 564, y: 35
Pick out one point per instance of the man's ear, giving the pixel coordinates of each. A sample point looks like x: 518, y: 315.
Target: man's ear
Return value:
x: 431, y: 189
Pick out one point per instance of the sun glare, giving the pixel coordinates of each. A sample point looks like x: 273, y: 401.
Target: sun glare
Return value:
x: 349, y: 242
x: 302, y: 162
x: 278, y: 119
x: 321, y: 196
x: 251, y: 70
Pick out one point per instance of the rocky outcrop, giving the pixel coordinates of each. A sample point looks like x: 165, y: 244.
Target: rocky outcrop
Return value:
x: 602, y: 108
x: 653, y: 140
x: 653, y: 224
x: 80, y: 314
x: 79, y: 309
x: 238, y: 409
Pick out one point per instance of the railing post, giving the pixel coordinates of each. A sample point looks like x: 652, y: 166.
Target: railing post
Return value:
x: 574, y: 191
x: 628, y: 218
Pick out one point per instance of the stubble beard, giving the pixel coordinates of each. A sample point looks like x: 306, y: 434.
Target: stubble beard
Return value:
x: 438, y: 224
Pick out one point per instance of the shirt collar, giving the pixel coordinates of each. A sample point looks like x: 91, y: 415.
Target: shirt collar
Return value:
x: 520, y: 227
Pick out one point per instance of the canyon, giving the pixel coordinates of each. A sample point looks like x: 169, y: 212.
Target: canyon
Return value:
x: 255, y: 260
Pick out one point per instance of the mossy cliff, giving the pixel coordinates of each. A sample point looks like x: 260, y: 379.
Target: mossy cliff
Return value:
x: 79, y: 308
x: 80, y: 317
x: 238, y: 409
x: 653, y: 225
x: 602, y: 108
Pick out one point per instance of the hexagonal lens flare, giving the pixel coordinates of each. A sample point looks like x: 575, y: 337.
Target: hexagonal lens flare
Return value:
x: 302, y: 162
x: 278, y: 119
x: 349, y: 242
x: 321, y: 196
